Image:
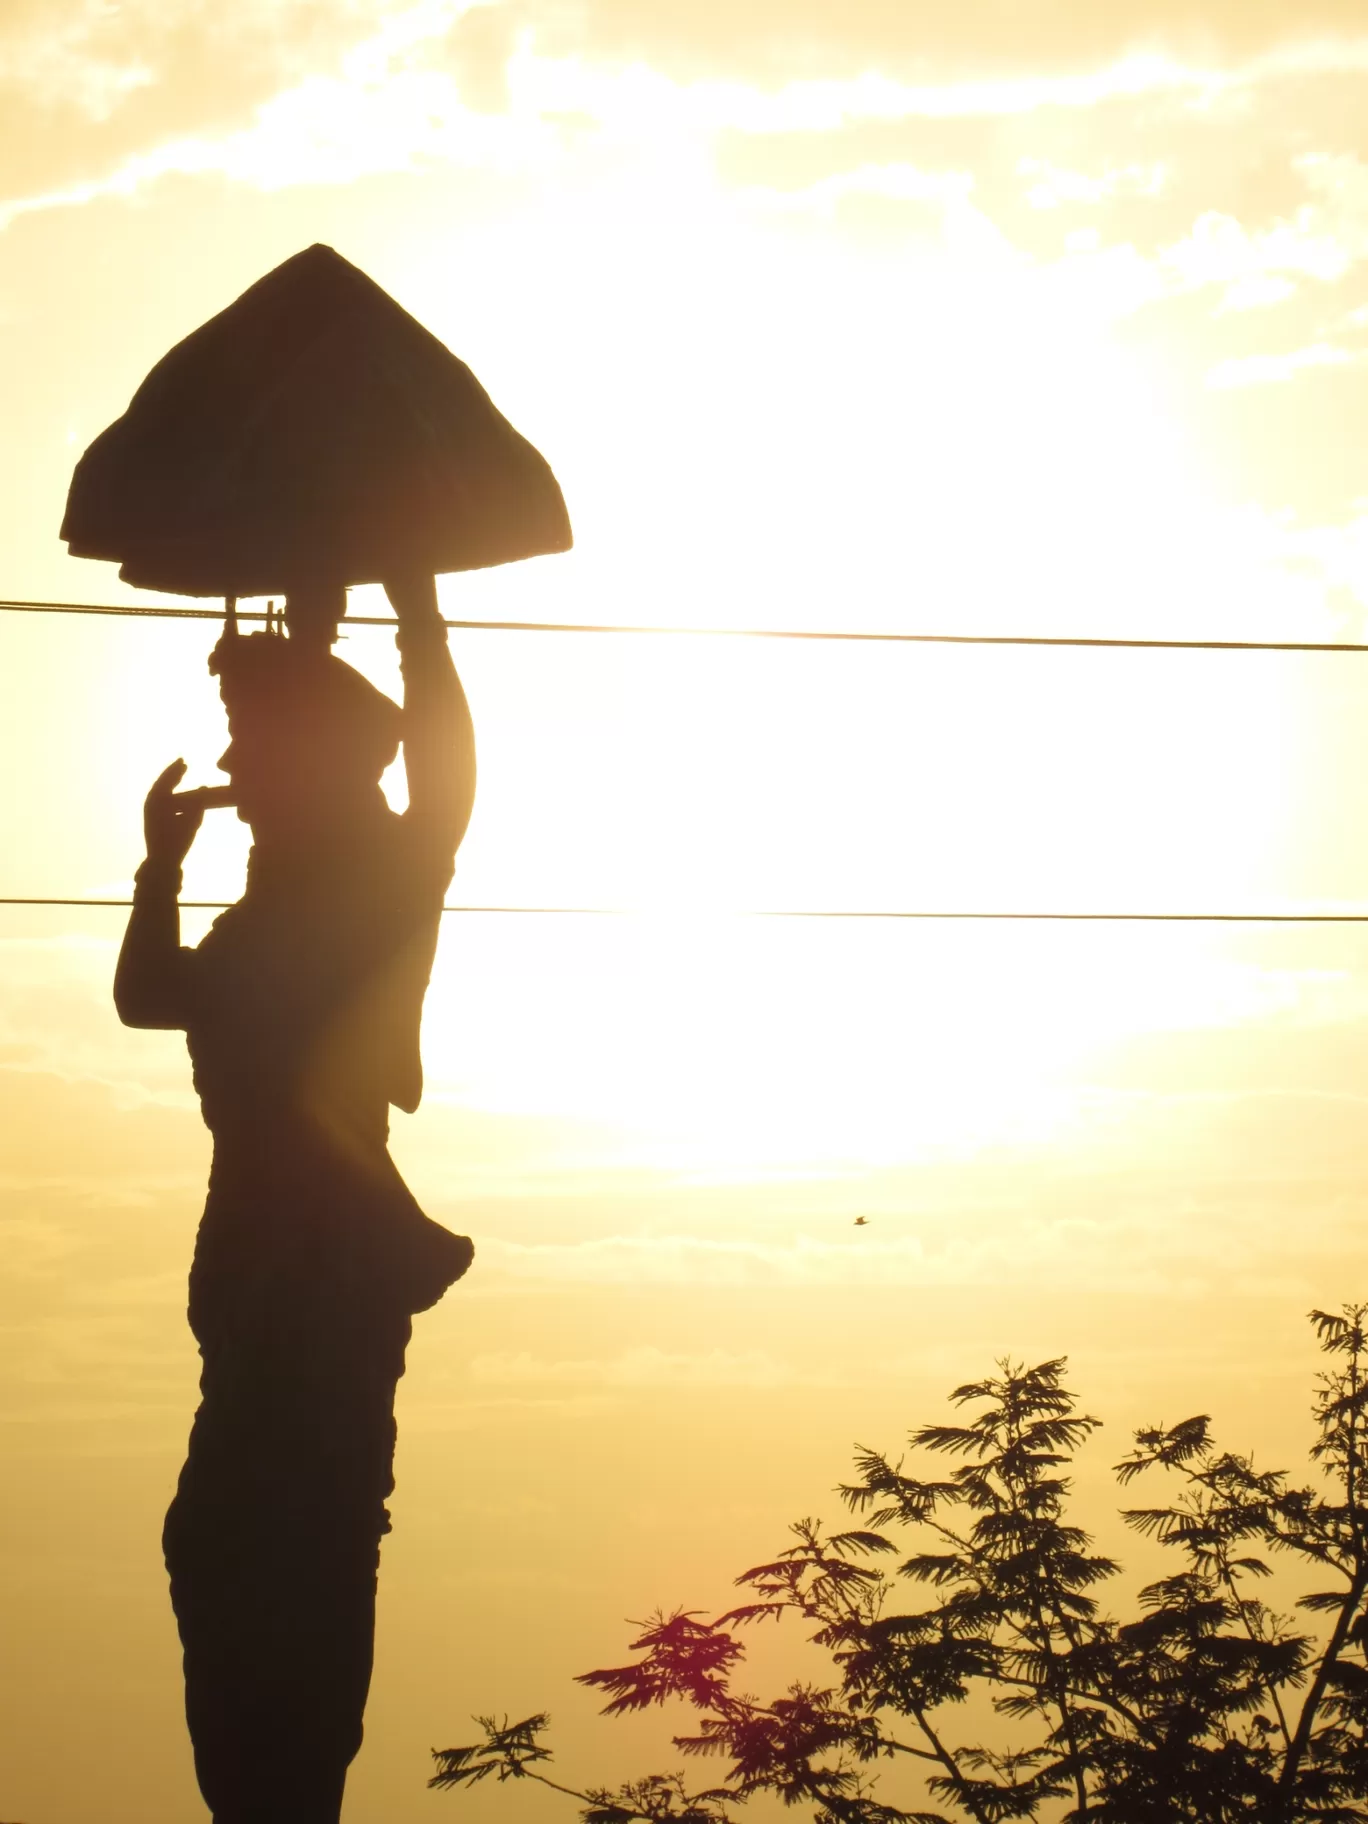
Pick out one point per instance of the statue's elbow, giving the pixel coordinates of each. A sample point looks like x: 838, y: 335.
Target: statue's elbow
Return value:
x: 133, y: 1013
x: 126, y: 1003
x: 141, y: 1009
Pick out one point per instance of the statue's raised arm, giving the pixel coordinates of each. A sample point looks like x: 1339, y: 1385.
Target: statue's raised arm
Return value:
x: 438, y: 734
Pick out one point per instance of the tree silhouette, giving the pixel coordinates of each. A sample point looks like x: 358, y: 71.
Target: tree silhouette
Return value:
x: 1206, y: 1706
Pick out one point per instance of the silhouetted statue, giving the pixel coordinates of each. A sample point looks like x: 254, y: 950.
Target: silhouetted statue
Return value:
x: 301, y: 1008
x: 312, y: 421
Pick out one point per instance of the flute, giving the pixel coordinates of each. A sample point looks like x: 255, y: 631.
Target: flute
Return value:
x: 206, y: 798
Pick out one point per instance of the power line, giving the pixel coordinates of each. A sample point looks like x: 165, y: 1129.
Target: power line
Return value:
x: 892, y: 914
x: 154, y: 612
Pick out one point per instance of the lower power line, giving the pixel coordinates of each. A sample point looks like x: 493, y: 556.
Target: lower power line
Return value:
x: 1117, y: 918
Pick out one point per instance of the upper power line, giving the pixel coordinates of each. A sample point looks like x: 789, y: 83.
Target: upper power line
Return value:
x: 154, y: 612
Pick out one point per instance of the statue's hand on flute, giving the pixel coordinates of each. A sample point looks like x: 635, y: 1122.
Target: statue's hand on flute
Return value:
x: 171, y: 819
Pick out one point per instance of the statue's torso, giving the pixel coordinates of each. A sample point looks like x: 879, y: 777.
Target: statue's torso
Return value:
x: 304, y: 1004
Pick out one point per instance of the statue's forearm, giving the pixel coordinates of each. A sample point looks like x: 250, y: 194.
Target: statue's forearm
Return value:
x: 439, y: 735
x: 149, y: 979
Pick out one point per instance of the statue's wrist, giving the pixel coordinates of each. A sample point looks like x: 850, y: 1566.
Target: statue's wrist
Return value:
x: 158, y: 874
x: 415, y: 631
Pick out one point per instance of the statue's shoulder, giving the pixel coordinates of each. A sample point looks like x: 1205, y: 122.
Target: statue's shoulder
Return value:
x: 221, y: 932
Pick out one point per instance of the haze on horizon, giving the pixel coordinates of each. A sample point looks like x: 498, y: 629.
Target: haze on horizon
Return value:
x: 1047, y: 319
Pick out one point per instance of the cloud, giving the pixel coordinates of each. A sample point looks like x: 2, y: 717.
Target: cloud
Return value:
x: 642, y: 1367
x: 1050, y: 186
x: 1040, y: 1245
x: 317, y: 113
x: 403, y: 97
x: 324, y: 90
x: 1258, y: 291
x: 700, y: 1260
x: 937, y: 206
x: 83, y: 85
x: 1265, y: 370
x: 765, y: 39
x: 1222, y: 251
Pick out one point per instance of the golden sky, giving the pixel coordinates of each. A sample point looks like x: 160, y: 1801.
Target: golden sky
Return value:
x: 989, y: 317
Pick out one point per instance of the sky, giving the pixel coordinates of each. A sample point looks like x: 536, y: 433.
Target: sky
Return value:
x: 984, y: 318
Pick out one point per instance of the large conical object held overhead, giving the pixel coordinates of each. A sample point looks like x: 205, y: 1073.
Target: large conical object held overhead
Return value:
x: 313, y: 430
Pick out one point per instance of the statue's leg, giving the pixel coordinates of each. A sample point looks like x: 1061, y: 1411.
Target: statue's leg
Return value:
x: 272, y: 1543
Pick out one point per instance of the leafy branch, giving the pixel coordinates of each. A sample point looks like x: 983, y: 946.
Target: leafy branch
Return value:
x: 1205, y: 1706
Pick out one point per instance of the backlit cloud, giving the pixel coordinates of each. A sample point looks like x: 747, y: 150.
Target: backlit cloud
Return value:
x: 1273, y: 370
x: 641, y: 1367
x: 84, y: 86
x: 768, y: 37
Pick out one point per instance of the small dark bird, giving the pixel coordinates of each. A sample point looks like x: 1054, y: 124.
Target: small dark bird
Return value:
x: 860, y: 1221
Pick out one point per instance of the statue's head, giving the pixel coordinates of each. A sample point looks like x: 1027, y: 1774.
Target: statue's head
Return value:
x: 309, y: 737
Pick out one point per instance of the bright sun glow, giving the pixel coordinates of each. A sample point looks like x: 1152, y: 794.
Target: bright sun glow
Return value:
x: 690, y: 777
